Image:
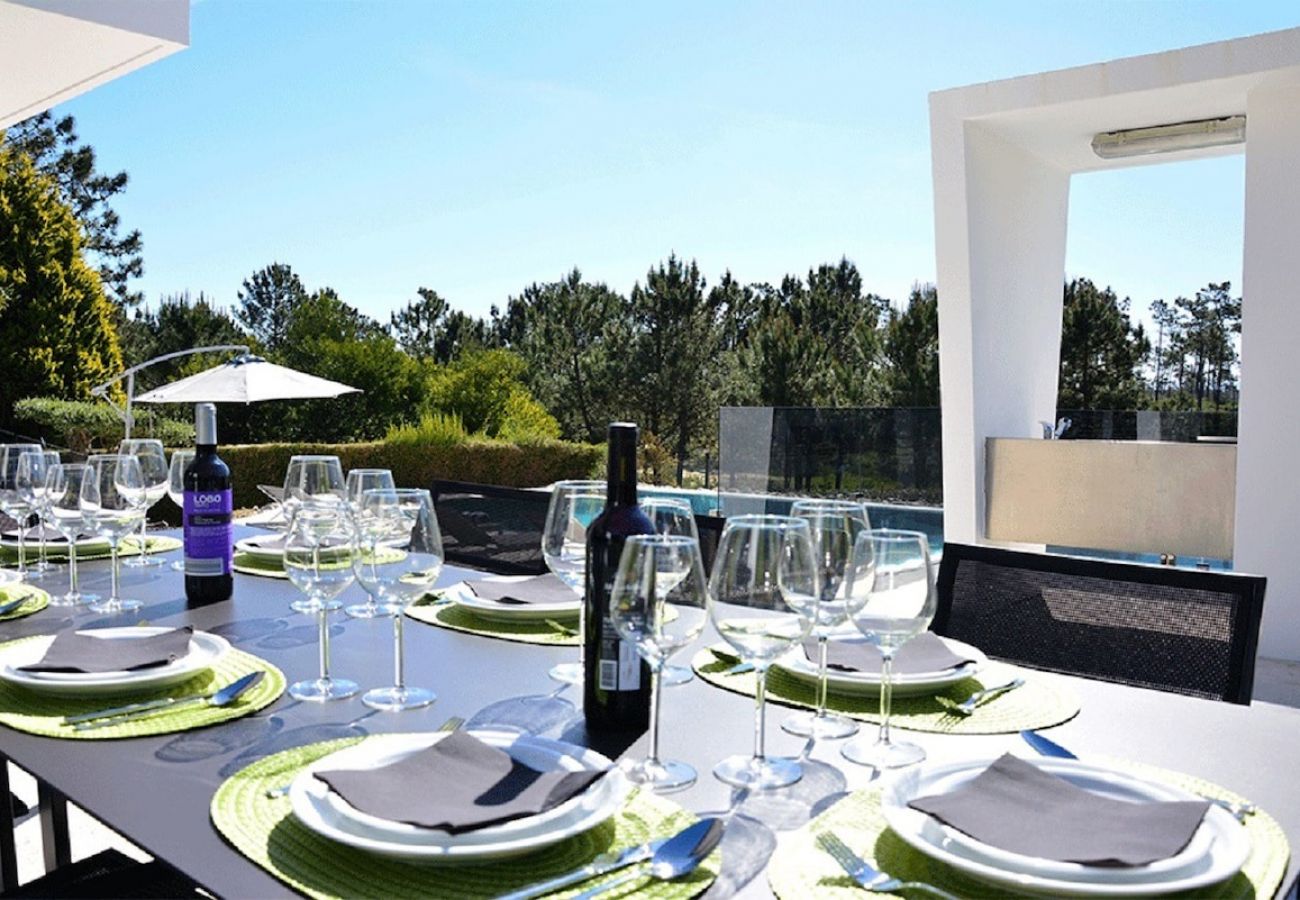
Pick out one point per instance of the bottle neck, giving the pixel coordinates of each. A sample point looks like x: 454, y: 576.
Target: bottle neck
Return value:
x: 205, y: 449
x: 620, y: 487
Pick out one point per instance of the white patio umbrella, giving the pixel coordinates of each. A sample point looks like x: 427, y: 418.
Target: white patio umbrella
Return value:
x: 245, y: 379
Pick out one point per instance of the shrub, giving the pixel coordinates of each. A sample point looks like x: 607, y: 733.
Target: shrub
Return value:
x: 434, y: 429
x: 81, y: 425
x: 485, y: 389
x: 419, y: 465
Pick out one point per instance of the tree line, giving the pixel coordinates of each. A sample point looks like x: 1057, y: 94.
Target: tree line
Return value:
x: 559, y: 358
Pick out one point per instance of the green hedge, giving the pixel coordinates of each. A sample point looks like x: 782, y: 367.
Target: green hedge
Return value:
x: 481, y: 461
x: 84, y: 425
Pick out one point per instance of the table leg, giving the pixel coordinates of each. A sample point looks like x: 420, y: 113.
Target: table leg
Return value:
x: 8, y: 851
x: 55, y: 842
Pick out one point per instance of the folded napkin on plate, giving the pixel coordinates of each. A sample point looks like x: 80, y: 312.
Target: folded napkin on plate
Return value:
x: 539, y: 589
x: 459, y: 784
x: 74, y: 651
x: 1013, y: 805
x: 926, y: 652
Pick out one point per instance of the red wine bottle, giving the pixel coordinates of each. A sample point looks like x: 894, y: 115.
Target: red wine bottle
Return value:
x: 616, y: 681
x: 208, y: 504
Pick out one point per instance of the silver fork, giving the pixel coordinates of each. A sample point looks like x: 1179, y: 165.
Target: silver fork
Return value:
x: 867, y: 876
x: 275, y: 793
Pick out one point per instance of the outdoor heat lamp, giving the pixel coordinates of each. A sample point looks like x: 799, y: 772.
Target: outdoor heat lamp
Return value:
x: 1168, y: 138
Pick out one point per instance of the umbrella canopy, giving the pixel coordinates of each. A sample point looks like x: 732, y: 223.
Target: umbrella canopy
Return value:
x: 247, y: 379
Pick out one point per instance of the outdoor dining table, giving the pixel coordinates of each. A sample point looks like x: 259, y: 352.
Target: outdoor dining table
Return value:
x: 156, y: 791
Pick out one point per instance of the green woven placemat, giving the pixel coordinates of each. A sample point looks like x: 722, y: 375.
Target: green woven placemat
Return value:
x: 130, y: 546
x: 1040, y: 703
x: 799, y: 868
x: 36, y: 601
x: 434, y: 611
x: 42, y: 714
x: 266, y: 832
x: 273, y: 567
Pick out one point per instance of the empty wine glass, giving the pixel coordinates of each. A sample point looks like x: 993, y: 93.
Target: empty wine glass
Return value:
x: 394, y: 520
x: 113, y: 502
x: 834, y: 526
x: 564, y: 547
x: 317, y: 478
x: 670, y: 515
x: 33, y: 467
x: 63, y: 493
x: 181, y: 460
x: 11, y: 500
x: 358, y: 482
x: 892, y: 569
x: 764, y: 578
x: 153, y: 467
x: 658, y: 604
x: 319, y: 552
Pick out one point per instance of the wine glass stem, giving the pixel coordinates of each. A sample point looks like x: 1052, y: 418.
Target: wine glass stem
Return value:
x: 323, y: 619
x: 656, y: 670
x: 822, y: 642
x: 886, y: 693
x: 399, y: 679
x: 22, y: 547
x: 760, y: 714
x: 40, y: 523
x: 113, y: 598
x: 72, y: 564
x: 144, y: 537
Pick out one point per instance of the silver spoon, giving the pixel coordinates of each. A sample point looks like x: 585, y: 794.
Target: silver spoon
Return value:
x: 967, y: 706
x: 677, y: 857
x: 223, y: 697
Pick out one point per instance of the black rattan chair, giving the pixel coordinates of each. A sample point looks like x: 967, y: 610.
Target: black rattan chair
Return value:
x: 1180, y: 630
x: 497, y: 529
x: 710, y: 530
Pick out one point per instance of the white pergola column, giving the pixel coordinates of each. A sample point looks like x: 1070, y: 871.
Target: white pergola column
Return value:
x: 1268, y: 450
x: 1001, y: 251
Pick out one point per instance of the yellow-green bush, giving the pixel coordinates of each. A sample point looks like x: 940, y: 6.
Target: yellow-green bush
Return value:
x: 419, y: 465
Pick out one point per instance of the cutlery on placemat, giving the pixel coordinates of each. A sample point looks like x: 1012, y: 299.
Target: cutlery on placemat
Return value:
x: 1049, y: 747
x: 967, y: 706
x: 118, y: 714
x: 563, y: 629
x: 452, y: 724
x: 677, y: 856
x: 610, y: 862
x: 868, y: 876
x: 10, y: 605
x: 739, y: 668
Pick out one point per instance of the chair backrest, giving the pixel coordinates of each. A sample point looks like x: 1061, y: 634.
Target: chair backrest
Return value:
x: 710, y: 530
x: 489, y: 527
x: 1182, y: 630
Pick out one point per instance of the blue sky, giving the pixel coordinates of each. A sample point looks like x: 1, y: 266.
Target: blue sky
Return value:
x: 474, y: 147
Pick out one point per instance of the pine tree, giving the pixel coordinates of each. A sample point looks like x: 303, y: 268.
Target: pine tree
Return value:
x: 266, y: 304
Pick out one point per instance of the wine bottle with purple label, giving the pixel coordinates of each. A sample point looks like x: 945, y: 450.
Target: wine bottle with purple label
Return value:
x: 208, y: 504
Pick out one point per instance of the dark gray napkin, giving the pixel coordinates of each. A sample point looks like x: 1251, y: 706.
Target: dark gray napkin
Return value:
x: 74, y: 651
x: 459, y: 784
x: 926, y: 652
x: 1013, y: 805
x: 540, y: 589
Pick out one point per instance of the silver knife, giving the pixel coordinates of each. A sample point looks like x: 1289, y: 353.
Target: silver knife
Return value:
x: 232, y: 690
x: 598, y: 866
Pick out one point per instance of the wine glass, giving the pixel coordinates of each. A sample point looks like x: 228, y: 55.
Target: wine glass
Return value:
x: 181, y: 460
x: 153, y: 467
x: 764, y: 579
x: 319, y: 552
x: 834, y: 526
x: 892, y: 569
x: 564, y: 547
x: 30, y: 481
x: 63, y: 493
x: 317, y: 478
x: 658, y: 575
x: 358, y: 482
x: 670, y: 515
x: 11, y: 501
x: 403, y: 520
x: 113, y: 502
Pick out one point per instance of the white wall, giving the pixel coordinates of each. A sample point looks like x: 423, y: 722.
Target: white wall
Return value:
x: 1268, y: 453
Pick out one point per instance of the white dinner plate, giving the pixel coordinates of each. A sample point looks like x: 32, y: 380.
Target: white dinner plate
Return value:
x: 326, y: 813
x: 1216, y: 852
x: 842, y: 682
x: 9, y: 576
x: 462, y: 596
x: 205, y: 649
x: 266, y: 546
x: 57, y: 545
